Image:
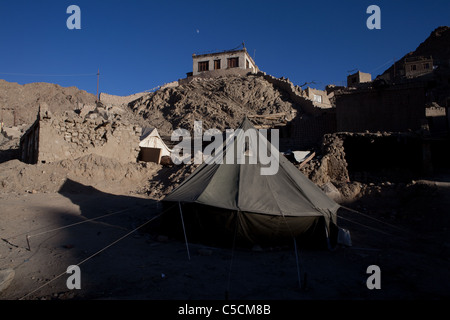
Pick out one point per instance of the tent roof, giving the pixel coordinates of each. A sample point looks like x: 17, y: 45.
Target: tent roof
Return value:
x: 242, y: 187
x: 148, y: 132
x: 150, y: 138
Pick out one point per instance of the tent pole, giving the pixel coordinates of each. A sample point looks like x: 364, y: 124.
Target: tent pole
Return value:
x: 298, y: 264
x: 227, y: 291
x: 296, y: 254
x: 184, y: 230
x: 328, y: 239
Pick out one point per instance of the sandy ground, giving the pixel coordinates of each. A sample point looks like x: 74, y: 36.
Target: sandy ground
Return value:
x: 414, y: 261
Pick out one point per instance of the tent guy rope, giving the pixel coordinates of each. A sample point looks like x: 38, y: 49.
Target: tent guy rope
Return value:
x: 28, y: 237
x: 93, y: 255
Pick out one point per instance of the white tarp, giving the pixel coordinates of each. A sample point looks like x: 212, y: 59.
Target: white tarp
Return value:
x: 300, y: 156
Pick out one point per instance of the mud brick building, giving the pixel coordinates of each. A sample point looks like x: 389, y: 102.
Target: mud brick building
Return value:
x: 54, y: 138
x: 396, y: 108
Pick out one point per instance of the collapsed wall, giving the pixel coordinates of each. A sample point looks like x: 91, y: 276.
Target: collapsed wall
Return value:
x: 368, y: 157
x: 309, y: 125
x: 53, y: 138
x: 330, y: 165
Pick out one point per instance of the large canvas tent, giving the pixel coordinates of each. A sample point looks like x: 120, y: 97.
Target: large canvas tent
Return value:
x: 226, y: 201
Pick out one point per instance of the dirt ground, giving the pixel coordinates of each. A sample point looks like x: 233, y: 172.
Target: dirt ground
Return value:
x: 90, y: 224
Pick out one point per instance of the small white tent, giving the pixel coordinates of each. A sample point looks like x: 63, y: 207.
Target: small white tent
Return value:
x: 152, y: 146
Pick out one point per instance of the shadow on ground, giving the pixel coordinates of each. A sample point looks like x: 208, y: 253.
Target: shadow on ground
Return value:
x: 99, y: 232
x: 117, y: 264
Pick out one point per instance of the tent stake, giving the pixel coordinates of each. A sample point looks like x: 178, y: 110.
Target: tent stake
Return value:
x: 184, y: 230
x: 28, y: 242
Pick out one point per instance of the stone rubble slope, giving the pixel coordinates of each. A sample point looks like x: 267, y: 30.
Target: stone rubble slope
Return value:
x: 219, y: 103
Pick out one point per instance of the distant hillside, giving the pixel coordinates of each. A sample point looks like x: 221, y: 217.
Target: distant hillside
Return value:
x: 436, y: 45
x: 220, y: 102
x: 25, y: 99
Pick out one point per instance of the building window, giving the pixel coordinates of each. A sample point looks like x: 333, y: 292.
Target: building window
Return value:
x: 317, y: 98
x: 203, y: 66
x: 413, y: 67
x: 216, y: 64
x: 233, y: 62
x: 426, y: 66
x: 247, y: 64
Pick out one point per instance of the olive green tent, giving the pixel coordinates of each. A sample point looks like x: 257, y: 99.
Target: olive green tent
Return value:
x: 224, y: 201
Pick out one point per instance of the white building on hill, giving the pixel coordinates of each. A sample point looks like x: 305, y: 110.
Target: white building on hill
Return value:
x: 224, y: 60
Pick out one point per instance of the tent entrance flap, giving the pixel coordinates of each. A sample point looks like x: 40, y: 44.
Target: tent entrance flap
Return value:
x: 150, y: 154
x: 223, y: 227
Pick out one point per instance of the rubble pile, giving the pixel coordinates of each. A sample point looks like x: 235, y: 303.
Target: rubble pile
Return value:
x: 329, y: 170
x: 220, y: 103
x: 330, y: 164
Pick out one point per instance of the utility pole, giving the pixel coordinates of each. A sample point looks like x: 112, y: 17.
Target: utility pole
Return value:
x: 98, y: 76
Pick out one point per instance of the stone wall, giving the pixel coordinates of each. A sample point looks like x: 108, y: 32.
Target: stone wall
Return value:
x: 319, y: 97
x: 357, y: 78
x: 214, y: 74
x: 112, y: 100
x: 311, y: 122
x: 397, y: 108
x: 296, y: 94
x: 54, y: 138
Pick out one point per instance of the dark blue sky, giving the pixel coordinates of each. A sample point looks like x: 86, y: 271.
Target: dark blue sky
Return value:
x: 138, y: 45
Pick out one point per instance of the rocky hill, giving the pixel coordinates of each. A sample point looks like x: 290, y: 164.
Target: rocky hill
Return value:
x: 19, y: 103
x: 436, y: 45
x: 220, y: 102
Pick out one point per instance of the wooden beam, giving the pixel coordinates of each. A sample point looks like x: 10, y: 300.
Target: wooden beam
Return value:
x: 269, y: 126
x: 268, y: 116
x: 312, y: 155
